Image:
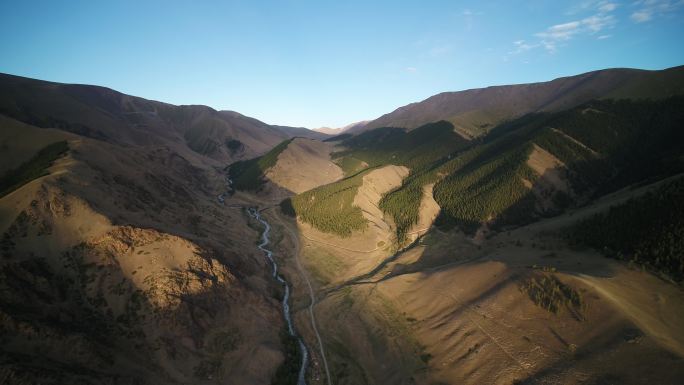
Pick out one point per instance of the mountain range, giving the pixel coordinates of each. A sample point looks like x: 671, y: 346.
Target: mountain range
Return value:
x: 525, y: 233
x: 475, y: 112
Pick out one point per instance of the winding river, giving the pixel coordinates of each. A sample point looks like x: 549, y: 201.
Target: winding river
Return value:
x: 286, y: 305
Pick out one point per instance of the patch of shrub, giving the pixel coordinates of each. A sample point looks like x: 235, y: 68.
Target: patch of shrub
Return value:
x: 330, y: 208
x: 287, y: 208
x: 249, y: 174
x: 288, y: 372
x: 549, y: 293
x: 33, y: 168
x: 234, y: 145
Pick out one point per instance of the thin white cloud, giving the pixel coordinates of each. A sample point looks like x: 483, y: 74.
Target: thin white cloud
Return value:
x: 587, y: 5
x: 598, y: 22
x: 559, y: 34
x: 550, y: 46
x: 603, y: 37
x: 607, y: 7
x: 411, y: 69
x: 469, y: 12
x: 560, y: 31
x: 522, y: 46
x: 641, y: 16
x: 650, y: 9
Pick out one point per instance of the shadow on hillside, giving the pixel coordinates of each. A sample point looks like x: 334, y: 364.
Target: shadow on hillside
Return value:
x: 76, y: 316
x: 521, y: 213
x: 603, y: 355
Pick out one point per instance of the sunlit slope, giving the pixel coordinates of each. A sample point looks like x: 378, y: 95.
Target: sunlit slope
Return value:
x: 303, y: 165
x: 535, y: 166
x: 416, y: 150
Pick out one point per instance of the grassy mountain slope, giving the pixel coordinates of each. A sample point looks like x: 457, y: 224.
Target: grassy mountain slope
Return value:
x: 520, y: 305
x: 415, y: 149
x: 475, y: 112
x: 303, y: 165
x: 117, y: 264
x: 604, y: 146
x: 601, y: 145
x: 249, y: 174
x: 104, y: 114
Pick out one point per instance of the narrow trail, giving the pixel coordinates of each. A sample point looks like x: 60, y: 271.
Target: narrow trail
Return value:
x: 387, y: 241
x: 577, y: 142
x: 361, y: 279
x: 312, y: 303
x: 468, y: 309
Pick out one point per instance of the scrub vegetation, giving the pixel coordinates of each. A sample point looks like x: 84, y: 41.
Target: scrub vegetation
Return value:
x: 33, y: 168
x: 249, y: 174
x: 331, y: 208
x: 646, y: 231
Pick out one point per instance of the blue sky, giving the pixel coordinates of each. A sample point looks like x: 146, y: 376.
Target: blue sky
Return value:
x: 329, y: 63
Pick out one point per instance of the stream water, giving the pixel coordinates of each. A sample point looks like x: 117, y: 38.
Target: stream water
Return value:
x: 286, y: 298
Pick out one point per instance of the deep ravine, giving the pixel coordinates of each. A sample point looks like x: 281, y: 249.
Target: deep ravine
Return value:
x: 286, y: 298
